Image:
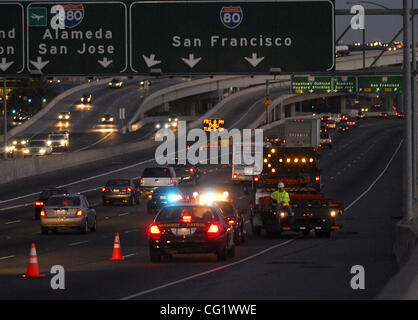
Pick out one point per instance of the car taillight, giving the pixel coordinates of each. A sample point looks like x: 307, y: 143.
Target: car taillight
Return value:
x: 235, y: 176
x: 105, y: 189
x: 231, y: 221
x: 39, y: 204
x: 43, y: 213
x: 171, y: 180
x: 127, y: 190
x: 154, y: 232
x: 141, y: 181
x: 191, y: 170
x: 317, y: 178
x: 150, y: 197
x: 213, y: 230
x: 186, y: 218
x: 79, y: 213
x: 256, y: 179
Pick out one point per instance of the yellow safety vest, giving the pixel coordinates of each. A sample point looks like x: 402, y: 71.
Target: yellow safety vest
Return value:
x: 281, y: 197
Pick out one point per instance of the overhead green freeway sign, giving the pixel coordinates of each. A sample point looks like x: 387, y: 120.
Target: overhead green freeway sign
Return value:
x: 11, y: 38
x: 76, y: 38
x: 311, y: 84
x: 232, y: 37
x: 382, y: 84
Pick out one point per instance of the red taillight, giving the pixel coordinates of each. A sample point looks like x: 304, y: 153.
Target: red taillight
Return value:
x: 186, y: 218
x: 79, y: 213
x: 171, y: 180
x: 39, y: 204
x: 231, y: 221
x: 150, y: 197
x: 213, y: 230
x: 105, y: 189
x: 317, y: 178
x: 191, y: 170
x: 154, y: 232
x: 256, y: 179
x: 127, y: 190
x: 235, y: 176
x: 141, y: 181
x: 43, y: 213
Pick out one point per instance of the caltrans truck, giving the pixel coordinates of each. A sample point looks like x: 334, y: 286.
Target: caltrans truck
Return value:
x: 295, y: 162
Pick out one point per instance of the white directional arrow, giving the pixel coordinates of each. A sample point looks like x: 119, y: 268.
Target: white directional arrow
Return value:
x: 39, y: 64
x: 5, y: 65
x: 254, y: 61
x: 150, y: 61
x: 105, y: 63
x: 191, y: 61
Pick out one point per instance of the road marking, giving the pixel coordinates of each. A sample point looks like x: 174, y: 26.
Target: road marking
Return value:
x: 123, y: 214
x: 245, y: 114
x: 4, y: 258
x: 14, y: 221
x: 93, y: 144
x: 377, y: 179
x: 129, y: 231
x: 130, y: 255
x: 208, y: 271
x: 77, y: 243
x: 17, y: 198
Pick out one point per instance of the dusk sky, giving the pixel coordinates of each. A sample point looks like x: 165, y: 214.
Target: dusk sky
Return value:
x: 378, y: 28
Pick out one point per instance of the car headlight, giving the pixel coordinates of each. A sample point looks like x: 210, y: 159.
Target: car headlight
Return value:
x: 166, y: 126
x: 67, y: 117
x: 62, y: 142
x: 23, y: 142
x: 42, y: 150
x: 103, y: 119
x: 110, y: 83
x: 49, y: 142
x: 158, y: 126
x: 60, y: 116
x: 111, y: 119
x: 14, y: 142
x: 26, y: 151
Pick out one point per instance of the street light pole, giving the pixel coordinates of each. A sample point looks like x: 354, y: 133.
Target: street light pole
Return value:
x: 414, y: 106
x: 408, y: 216
x: 5, y: 117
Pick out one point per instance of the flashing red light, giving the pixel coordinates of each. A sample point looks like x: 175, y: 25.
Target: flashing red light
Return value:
x: 213, y: 230
x: 235, y: 176
x: 186, y: 218
x: 171, y: 180
x: 154, y: 231
x: 317, y: 178
x: 79, y: 213
x: 256, y: 179
x: 43, y: 213
x: 141, y: 181
x: 105, y: 190
x: 127, y: 190
x: 39, y: 203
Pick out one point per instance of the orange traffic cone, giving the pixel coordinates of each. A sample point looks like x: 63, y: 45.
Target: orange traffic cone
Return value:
x: 33, y: 268
x: 117, y: 252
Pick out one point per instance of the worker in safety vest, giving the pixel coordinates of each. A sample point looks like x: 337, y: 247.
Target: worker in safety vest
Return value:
x: 281, y: 196
x: 283, y: 199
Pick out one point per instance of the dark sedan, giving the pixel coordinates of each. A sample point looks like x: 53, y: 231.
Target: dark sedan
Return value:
x: 120, y: 190
x: 190, y: 228
x: 44, y: 196
x: 235, y: 219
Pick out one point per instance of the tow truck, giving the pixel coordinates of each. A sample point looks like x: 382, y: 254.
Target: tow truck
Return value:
x: 296, y: 164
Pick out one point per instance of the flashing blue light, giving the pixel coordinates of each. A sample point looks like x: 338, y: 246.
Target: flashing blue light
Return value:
x: 44, y: 100
x: 29, y: 100
x: 172, y: 197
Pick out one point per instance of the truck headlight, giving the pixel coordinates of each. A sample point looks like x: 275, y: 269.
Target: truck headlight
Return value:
x: 42, y: 151
x: 26, y: 151
x: 62, y: 142
x: 49, y: 142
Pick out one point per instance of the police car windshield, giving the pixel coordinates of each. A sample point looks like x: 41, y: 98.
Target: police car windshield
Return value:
x: 198, y: 214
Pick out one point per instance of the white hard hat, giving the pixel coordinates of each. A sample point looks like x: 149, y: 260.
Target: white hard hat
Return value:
x: 280, y: 185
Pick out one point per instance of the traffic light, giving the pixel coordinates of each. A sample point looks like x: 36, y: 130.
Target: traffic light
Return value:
x: 313, y: 107
x: 29, y: 100
x: 43, y: 100
x: 14, y: 111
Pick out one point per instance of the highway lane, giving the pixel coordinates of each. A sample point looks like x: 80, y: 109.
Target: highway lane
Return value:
x: 301, y: 268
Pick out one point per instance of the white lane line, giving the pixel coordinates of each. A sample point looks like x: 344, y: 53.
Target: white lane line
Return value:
x: 25, y: 196
x: 77, y: 243
x: 11, y: 222
x: 245, y: 114
x: 123, y: 214
x: 207, y: 272
x: 8, y: 257
x: 377, y: 179
x: 93, y: 144
x: 130, y: 231
x: 17, y: 206
x: 129, y: 255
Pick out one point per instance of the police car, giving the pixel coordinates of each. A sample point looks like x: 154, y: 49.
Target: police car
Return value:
x: 190, y: 228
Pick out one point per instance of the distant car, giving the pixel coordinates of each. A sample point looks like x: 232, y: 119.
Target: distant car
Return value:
x: 64, y: 116
x: 351, y: 122
x: 400, y: 115
x: 235, y: 219
x: 44, y: 196
x: 161, y: 197
x: 344, y: 117
x: 37, y: 148
x: 86, y: 98
x: 190, y: 228
x: 144, y: 83
x: 115, y: 83
x: 9, y: 150
x: 67, y: 212
x: 325, y: 140
x: 121, y: 190
x: 361, y: 115
x: 19, y: 119
x: 20, y: 142
x: 384, y: 115
x: 331, y: 124
x: 107, y: 119
x: 155, y: 177
x: 59, y: 141
x: 187, y: 173
x: 344, y: 127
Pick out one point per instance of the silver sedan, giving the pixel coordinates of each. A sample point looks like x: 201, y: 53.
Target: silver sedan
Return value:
x: 68, y: 212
